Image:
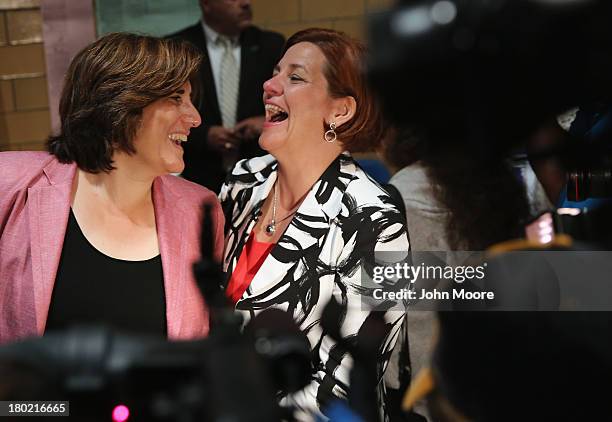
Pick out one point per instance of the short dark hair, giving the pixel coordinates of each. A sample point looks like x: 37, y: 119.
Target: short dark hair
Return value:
x: 345, y: 75
x: 106, y: 88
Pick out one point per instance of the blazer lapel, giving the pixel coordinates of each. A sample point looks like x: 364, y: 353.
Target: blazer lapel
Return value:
x: 305, y: 234
x: 252, y: 187
x: 170, y: 232
x: 48, y: 211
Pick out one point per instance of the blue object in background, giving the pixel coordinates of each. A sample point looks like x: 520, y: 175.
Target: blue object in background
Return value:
x: 593, y: 124
x: 339, y: 410
x: 588, y: 204
x: 376, y: 169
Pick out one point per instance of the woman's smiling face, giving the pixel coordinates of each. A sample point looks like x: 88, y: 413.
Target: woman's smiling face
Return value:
x: 165, y: 125
x: 296, y: 99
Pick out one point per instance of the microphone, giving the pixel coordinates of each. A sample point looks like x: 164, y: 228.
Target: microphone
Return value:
x: 209, y: 278
x: 207, y: 271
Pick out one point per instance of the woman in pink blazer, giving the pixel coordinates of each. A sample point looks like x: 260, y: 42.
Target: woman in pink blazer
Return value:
x: 97, y: 230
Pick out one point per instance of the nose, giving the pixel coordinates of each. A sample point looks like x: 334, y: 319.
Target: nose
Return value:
x: 272, y: 87
x: 191, y: 116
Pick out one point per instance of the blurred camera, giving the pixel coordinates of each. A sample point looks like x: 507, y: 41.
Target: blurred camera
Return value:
x: 590, y: 164
x: 489, y: 72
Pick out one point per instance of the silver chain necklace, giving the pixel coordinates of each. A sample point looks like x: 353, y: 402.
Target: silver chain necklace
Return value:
x: 271, y: 227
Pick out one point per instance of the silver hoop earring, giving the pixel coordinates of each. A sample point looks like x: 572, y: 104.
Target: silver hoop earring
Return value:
x: 331, y: 135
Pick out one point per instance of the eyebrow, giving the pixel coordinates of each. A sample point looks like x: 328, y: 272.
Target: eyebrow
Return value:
x: 180, y: 91
x: 292, y: 66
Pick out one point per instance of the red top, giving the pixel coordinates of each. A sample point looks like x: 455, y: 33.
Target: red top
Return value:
x: 251, y: 259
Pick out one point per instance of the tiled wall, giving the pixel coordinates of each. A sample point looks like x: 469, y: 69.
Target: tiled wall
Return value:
x: 289, y: 16
x: 24, y: 110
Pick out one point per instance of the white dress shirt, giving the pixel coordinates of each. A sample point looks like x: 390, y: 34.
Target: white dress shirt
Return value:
x: 215, y: 53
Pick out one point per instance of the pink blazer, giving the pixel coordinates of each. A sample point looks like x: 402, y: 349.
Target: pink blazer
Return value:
x: 35, y: 199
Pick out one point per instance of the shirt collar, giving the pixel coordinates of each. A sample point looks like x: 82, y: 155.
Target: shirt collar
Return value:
x: 212, y: 35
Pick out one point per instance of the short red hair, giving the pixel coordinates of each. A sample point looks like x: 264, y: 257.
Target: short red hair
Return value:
x: 344, y: 72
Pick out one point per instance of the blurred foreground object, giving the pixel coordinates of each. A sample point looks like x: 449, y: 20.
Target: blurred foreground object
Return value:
x: 539, y: 366
x: 228, y: 376
x: 491, y: 70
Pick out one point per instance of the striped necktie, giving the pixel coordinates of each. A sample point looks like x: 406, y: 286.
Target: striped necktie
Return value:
x: 229, y: 83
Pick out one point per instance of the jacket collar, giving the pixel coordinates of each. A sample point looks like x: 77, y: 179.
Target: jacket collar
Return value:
x: 48, y: 210
x: 169, y: 218
x: 331, y: 186
x: 309, y: 226
x: 213, y: 36
x: 325, y: 196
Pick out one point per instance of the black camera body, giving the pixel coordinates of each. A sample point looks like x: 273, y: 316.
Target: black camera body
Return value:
x: 590, y: 164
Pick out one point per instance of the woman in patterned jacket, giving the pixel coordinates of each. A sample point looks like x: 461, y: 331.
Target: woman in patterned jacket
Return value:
x: 303, y: 221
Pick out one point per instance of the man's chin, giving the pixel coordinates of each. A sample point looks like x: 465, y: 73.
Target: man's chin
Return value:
x: 244, y: 24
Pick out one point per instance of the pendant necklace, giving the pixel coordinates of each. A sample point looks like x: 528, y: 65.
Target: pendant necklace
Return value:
x: 271, y: 227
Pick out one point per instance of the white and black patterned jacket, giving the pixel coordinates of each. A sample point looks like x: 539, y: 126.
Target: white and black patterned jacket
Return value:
x: 344, y: 218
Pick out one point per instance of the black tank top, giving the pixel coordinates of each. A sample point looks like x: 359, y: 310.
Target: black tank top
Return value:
x: 93, y: 288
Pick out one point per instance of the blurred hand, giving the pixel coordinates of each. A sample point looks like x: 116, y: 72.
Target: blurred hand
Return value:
x: 222, y: 139
x: 249, y: 128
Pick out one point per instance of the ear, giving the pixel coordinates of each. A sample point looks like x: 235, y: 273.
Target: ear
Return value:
x: 344, y: 110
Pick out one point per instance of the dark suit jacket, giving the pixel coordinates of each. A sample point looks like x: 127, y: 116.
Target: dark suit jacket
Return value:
x: 260, y: 51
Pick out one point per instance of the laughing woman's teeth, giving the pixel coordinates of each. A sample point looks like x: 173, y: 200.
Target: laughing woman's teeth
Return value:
x: 275, y: 113
x: 178, y: 138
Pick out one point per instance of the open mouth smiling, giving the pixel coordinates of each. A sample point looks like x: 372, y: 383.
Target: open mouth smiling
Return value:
x: 177, y: 138
x: 275, y: 114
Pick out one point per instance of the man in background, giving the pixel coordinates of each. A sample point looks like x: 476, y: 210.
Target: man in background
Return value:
x: 237, y: 58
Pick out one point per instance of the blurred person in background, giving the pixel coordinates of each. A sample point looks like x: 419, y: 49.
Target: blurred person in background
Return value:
x: 449, y: 193
x: 302, y: 221
x: 95, y: 231
x: 473, y: 86
x: 237, y: 58
x: 453, y: 202
x: 467, y: 86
